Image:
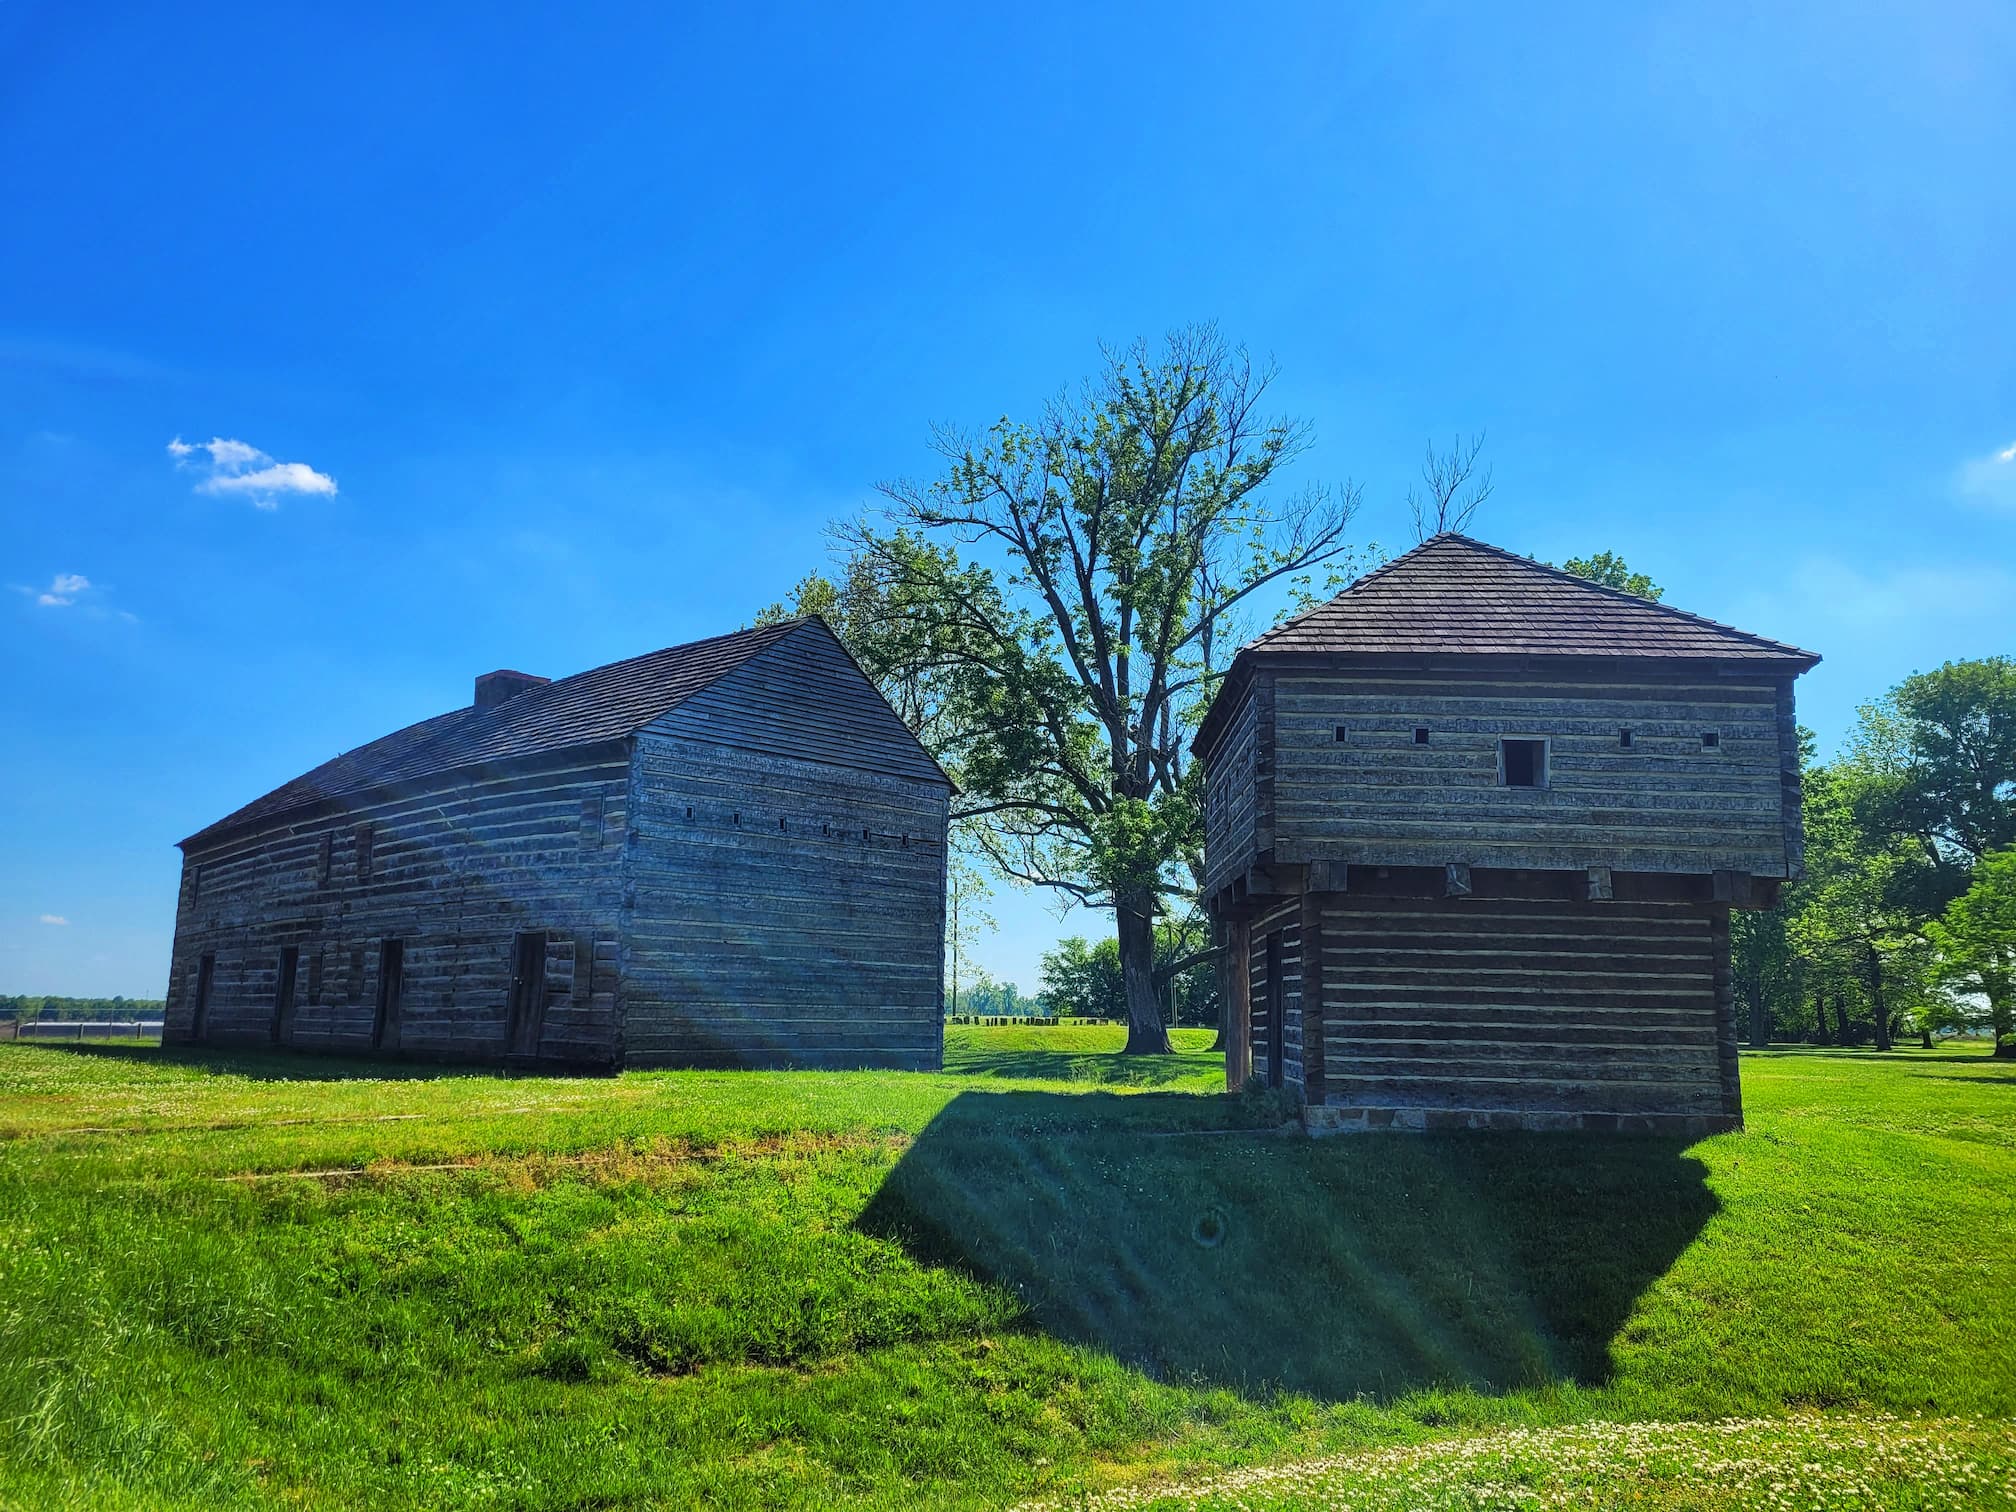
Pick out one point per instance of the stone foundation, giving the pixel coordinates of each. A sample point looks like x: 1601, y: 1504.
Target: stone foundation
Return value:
x: 1357, y: 1120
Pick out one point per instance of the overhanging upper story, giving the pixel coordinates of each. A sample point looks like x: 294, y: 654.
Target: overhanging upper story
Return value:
x: 1465, y: 707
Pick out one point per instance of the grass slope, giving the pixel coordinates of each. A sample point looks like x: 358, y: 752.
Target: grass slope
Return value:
x: 251, y: 1280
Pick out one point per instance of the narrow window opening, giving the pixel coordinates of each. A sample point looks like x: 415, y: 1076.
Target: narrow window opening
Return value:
x: 1420, y: 734
x: 353, y: 990
x: 1343, y: 734
x: 282, y: 1027
x: 363, y: 838
x: 325, y: 862
x: 196, y: 880
x: 391, y: 979
x: 1624, y: 739
x: 315, y: 979
x: 1522, y: 763
x: 591, y: 821
x: 1711, y: 740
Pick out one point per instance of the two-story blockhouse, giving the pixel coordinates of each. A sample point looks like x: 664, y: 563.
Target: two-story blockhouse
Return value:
x: 1474, y: 831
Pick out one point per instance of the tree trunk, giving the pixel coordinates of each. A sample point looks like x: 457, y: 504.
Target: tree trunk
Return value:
x: 1760, y: 1017
x: 1841, y: 1018
x: 1136, y: 930
x: 2000, y: 1012
x: 1876, y: 998
x: 1223, y: 972
x: 1819, y: 1018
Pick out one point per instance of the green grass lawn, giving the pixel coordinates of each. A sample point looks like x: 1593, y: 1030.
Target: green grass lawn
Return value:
x: 1047, y: 1274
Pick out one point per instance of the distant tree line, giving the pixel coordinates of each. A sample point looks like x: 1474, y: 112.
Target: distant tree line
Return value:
x: 981, y: 994
x: 120, y: 1010
x: 1905, y: 919
x: 1083, y: 979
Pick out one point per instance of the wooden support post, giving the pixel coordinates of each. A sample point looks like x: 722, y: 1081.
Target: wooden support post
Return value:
x: 1260, y: 883
x: 1735, y: 889
x: 1238, y: 1003
x: 1456, y: 880
x: 1725, y: 1019
x: 1327, y: 877
x: 1312, y: 999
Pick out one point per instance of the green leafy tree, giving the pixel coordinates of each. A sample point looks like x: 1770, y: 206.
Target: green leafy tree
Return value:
x: 1057, y: 590
x: 1976, y: 941
x: 1940, y: 751
x: 1611, y: 570
x: 1081, y: 979
x: 1854, y: 907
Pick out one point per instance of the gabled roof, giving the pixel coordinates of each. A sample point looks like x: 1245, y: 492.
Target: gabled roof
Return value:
x: 589, y: 708
x: 1454, y: 596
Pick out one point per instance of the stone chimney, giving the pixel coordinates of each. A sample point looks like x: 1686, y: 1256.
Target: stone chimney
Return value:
x: 492, y: 688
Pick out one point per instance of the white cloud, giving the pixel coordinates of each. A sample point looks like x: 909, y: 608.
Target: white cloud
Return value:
x: 1991, y: 481
x: 73, y: 590
x: 265, y: 484
x: 239, y: 469
x: 62, y: 591
x: 54, y: 919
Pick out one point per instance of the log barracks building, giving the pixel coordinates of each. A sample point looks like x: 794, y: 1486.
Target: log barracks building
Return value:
x: 729, y: 853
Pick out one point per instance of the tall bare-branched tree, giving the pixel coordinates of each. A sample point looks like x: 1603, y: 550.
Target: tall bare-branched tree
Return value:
x: 1451, y: 488
x: 1062, y: 631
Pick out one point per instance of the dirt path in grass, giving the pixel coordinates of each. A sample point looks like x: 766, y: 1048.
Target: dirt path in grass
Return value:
x: 1836, y: 1461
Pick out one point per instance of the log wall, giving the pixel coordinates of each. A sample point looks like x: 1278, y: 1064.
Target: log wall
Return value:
x: 455, y: 869
x: 1231, y: 801
x: 1498, y: 1012
x: 782, y: 911
x: 1350, y: 783
x: 1283, y: 922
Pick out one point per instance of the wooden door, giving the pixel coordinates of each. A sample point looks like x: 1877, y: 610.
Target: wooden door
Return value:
x: 391, y: 971
x: 528, y: 993
x: 199, y: 1016
x: 283, y: 996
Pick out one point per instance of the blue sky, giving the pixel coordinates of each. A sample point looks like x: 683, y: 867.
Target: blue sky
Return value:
x: 560, y: 341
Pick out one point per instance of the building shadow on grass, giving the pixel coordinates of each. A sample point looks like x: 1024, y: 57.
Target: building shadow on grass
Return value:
x: 1357, y: 1266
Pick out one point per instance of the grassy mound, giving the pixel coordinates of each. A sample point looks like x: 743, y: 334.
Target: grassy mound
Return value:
x: 254, y: 1280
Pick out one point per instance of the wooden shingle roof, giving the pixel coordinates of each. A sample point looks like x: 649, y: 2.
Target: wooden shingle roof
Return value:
x: 1452, y: 596
x: 589, y: 708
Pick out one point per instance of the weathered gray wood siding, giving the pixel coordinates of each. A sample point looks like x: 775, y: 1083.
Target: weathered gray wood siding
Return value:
x: 804, y: 699
x: 1231, y: 797
x: 1514, y: 1006
x: 456, y: 869
x: 1284, y: 920
x: 1664, y: 804
x: 783, y: 911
